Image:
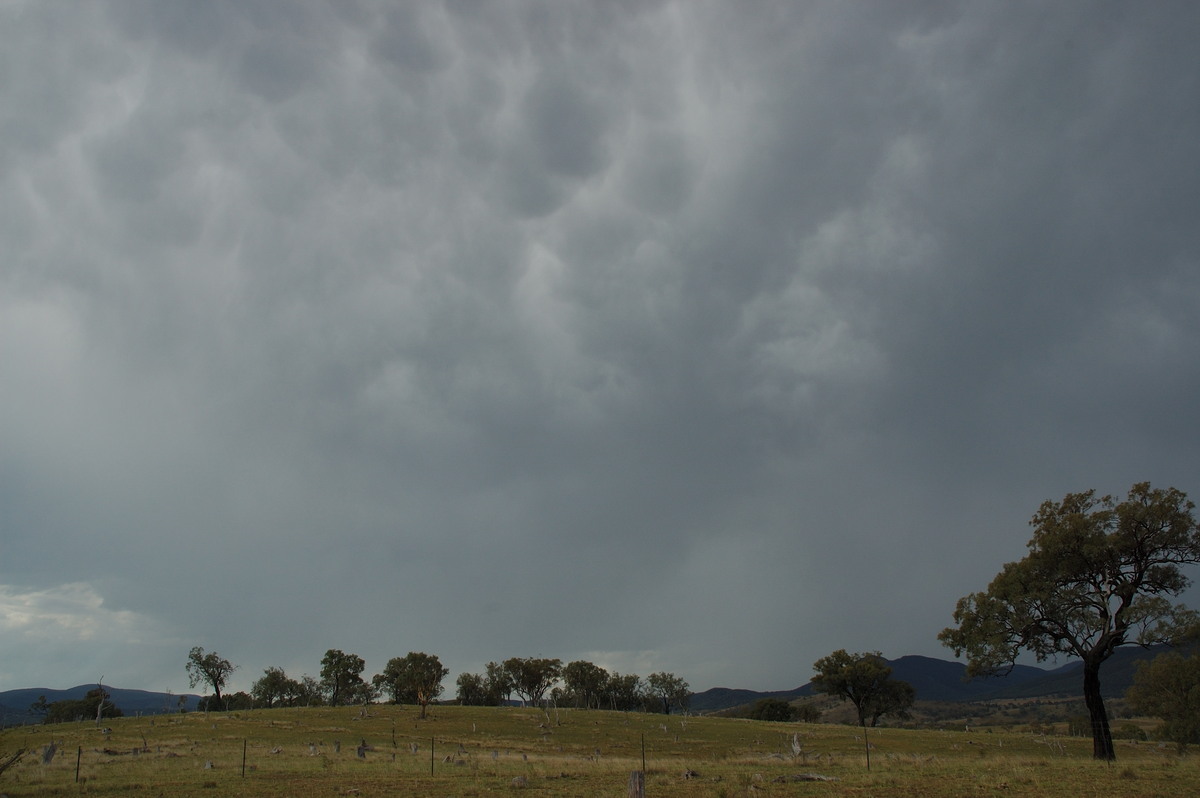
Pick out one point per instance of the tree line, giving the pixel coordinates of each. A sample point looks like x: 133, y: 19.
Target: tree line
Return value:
x: 417, y: 678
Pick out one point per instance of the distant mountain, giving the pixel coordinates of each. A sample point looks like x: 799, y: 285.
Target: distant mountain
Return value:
x: 944, y: 680
x: 1116, y: 676
x: 14, y: 704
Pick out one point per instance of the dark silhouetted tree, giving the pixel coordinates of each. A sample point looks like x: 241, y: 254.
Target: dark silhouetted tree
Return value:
x: 865, y: 680
x: 210, y: 669
x: 341, y: 676
x: 669, y: 690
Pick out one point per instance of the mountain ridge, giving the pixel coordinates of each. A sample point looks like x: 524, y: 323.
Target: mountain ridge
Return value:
x: 14, y: 704
x: 945, y: 680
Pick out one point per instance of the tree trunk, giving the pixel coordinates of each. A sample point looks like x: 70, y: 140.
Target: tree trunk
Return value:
x: 1102, y: 743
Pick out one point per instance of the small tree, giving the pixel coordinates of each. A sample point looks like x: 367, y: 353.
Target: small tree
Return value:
x: 585, y: 682
x: 210, y: 669
x: 624, y: 692
x: 773, y: 709
x: 1096, y: 577
x: 308, y: 692
x: 95, y: 704
x: 533, y: 676
x: 498, y: 682
x: 807, y: 712
x: 416, y: 677
x: 274, y: 688
x: 39, y: 708
x: 341, y: 676
x: 1168, y: 688
x: 865, y: 681
x: 472, y: 690
x: 670, y: 690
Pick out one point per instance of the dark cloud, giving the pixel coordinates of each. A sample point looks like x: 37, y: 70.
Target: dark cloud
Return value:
x: 654, y: 334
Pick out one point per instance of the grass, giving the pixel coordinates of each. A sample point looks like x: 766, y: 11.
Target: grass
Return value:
x: 470, y: 751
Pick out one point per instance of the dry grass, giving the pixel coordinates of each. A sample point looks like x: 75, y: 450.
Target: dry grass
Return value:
x: 476, y: 751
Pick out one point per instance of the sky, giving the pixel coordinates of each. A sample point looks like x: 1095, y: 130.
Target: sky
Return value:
x: 699, y: 337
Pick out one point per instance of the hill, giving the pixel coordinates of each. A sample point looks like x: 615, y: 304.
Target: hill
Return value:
x: 388, y: 750
x: 14, y: 704
x: 944, y: 680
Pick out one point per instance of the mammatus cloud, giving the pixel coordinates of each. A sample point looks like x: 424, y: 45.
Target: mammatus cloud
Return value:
x: 673, y: 335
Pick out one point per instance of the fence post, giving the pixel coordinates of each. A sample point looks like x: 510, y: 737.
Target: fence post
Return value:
x: 637, y: 784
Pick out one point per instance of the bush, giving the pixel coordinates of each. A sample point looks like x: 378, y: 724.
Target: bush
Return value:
x: 772, y: 709
x: 1130, y: 731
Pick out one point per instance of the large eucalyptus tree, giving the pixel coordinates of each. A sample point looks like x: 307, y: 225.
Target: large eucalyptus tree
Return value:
x: 1099, y: 574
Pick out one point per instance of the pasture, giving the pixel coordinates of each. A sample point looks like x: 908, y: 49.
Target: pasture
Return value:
x: 472, y: 751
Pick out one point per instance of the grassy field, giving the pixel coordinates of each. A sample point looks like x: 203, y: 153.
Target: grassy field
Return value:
x: 468, y: 751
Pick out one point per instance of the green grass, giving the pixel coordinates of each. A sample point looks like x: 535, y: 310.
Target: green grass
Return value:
x: 477, y: 751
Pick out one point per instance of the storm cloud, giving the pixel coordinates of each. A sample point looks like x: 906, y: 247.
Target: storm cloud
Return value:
x: 687, y: 336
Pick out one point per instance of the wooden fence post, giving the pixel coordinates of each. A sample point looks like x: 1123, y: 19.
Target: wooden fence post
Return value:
x: 637, y: 784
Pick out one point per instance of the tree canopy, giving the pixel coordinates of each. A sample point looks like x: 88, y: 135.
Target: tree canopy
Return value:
x: 95, y: 704
x: 341, y: 676
x: 1097, y: 576
x: 275, y: 688
x: 585, y: 683
x: 773, y: 709
x: 415, y: 678
x: 533, y: 676
x: 1168, y: 688
x: 670, y: 690
x: 865, y: 681
x: 211, y: 669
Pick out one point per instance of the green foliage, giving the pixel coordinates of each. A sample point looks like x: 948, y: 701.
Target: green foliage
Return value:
x: 39, y: 708
x: 84, y: 708
x: 1168, y: 688
x: 1097, y: 576
x: 585, y: 683
x: 209, y: 669
x: 533, y: 676
x: 415, y: 678
x: 670, y: 690
x: 489, y: 689
x: 498, y: 682
x: 1130, y: 731
x: 624, y: 692
x: 772, y: 709
x: 341, y: 677
x: 232, y: 702
x: 472, y: 690
x: 865, y: 681
x: 275, y: 689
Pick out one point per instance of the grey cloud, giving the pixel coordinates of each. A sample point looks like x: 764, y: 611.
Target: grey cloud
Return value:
x: 644, y: 330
